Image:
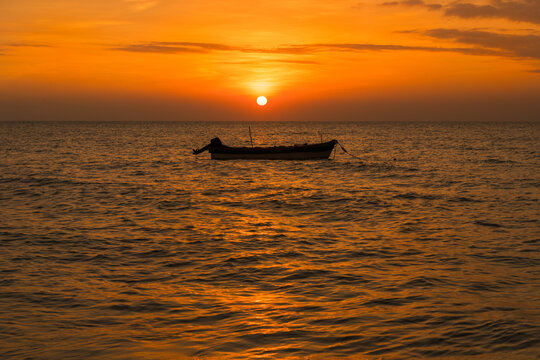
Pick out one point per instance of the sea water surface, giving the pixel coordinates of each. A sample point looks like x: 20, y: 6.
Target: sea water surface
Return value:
x: 117, y: 243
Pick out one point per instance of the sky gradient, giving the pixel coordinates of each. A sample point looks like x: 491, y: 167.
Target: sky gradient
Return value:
x: 314, y: 60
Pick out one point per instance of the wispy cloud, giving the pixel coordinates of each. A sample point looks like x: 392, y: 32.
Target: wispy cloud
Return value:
x: 160, y: 48
x: 524, y: 46
x: 174, y: 47
x: 286, y: 50
x: 387, y: 47
x: 537, y: 71
x: 413, y: 3
x: 28, y: 45
x: 141, y: 5
x: 303, y: 62
x: 514, y: 10
x: 259, y: 62
x: 195, y: 45
x: 6, y: 47
x: 182, y: 47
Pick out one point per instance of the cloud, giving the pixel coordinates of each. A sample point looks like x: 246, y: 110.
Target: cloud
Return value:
x: 174, y: 47
x: 160, y: 49
x: 413, y: 3
x: 202, y: 46
x: 525, y: 46
x: 514, y: 10
x: 255, y: 62
x: 383, y: 47
x: 304, y: 62
x: 525, y: 10
x: 537, y: 71
x: 182, y: 47
x: 141, y: 5
x: 27, y: 45
x: 287, y: 50
x: 5, y: 47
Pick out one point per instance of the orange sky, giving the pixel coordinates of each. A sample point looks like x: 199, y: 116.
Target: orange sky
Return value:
x: 313, y: 59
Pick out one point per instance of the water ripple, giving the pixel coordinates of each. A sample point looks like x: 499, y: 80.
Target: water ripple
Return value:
x: 117, y: 243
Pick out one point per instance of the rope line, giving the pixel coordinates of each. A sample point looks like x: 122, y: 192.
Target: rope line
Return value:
x: 348, y: 153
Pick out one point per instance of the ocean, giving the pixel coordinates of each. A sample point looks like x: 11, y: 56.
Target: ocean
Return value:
x: 116, y: 242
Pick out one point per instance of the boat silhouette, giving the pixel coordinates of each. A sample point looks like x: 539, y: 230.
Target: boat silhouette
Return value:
x: 220, y: 151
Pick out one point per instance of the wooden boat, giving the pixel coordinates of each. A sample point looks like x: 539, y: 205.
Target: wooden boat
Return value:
x: 219, y: 151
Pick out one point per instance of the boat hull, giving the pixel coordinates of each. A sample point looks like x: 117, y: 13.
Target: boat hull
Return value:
x: 273, y: 156
x: 297, y: 152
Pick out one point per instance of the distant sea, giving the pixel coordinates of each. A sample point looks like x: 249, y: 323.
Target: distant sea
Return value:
x: 117, y: 243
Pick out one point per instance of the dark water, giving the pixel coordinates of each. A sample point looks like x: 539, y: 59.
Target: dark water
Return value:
x: 117, y: 243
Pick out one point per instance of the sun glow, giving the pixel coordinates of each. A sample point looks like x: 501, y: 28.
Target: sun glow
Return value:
x: 261, y: 100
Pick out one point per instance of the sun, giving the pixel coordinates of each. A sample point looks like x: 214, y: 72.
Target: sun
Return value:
x: 261, y: 100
